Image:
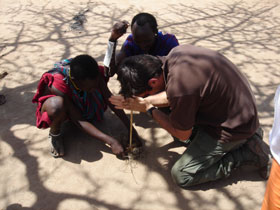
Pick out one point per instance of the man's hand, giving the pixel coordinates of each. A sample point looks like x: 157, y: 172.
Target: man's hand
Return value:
x: 116, y: 147
x: 135, y: 103
x: 118, y: 30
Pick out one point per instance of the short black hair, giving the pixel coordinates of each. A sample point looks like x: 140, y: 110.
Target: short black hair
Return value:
x: 84, y: 67
x: 143, y: 18
x: 136, y: 71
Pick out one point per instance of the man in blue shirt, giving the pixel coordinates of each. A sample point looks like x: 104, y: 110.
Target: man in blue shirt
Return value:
x: 145, y: 39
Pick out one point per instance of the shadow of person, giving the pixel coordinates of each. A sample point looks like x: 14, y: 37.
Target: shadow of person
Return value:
x: 17, y: 206
x: 160, y: 159
x: 144, y: 121
x: 79, y: 146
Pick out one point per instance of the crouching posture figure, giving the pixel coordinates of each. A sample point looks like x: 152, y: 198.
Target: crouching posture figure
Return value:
x: 76, y: 89
x: 204, y: 90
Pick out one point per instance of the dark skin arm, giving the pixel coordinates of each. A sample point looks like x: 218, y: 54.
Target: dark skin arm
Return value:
x: 120, y: 113
x: 75, y: 115
x: 118, y: 30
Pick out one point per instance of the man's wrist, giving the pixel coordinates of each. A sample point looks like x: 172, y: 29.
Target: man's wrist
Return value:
x: 113, y: 40
x: 150, y: 111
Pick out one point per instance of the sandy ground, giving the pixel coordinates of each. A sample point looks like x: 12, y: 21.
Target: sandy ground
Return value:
x: 35, y: 34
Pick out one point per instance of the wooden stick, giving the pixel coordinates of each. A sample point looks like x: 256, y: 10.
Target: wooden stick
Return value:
x: 130, y: 134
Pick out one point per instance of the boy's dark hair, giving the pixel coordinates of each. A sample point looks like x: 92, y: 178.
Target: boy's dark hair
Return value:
x: 143, y: 18
x: 136, y: 71
x: 84, y: 67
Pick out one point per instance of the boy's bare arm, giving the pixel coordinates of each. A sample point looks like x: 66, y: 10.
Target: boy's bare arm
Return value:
x: 115, y: 62
x: 75, y: 115
x: 120, y: 113
x: 118, y: 30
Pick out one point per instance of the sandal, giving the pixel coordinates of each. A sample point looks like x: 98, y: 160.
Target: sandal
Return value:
x: 57, y: 147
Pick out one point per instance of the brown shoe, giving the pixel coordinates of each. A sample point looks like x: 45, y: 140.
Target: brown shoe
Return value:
x: 257, y: 146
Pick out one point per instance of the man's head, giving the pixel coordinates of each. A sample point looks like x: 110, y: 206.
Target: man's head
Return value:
x: 144, y: 30
x: 141, y: 75
x: 84, y: 72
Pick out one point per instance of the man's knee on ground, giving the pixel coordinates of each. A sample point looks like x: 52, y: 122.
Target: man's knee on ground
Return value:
x: 181, y: 177
x: 54, y: 106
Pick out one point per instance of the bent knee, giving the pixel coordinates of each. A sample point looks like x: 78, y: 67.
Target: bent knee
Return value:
x: 54, y: 106
x: 181, y: 176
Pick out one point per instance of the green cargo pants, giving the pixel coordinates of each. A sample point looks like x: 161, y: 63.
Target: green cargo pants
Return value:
x: 207, y: 159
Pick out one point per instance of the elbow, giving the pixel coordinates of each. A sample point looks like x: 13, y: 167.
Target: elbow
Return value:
x: 183, y: 138
x: 183, y: 135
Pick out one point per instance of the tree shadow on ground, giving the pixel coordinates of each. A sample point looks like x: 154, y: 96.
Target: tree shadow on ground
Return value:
x: 79, y: 146
x: 235, y: 27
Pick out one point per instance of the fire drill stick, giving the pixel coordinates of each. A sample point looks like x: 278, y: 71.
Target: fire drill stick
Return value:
x: 130, y: 134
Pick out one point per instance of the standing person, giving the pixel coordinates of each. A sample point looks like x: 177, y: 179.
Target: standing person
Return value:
x: 145, y: 39
x: 272, y: 195
x: 206, y: 90
x: 76, y: 89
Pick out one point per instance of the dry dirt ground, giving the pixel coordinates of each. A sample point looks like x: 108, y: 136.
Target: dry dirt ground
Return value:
x: 35, y: 34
